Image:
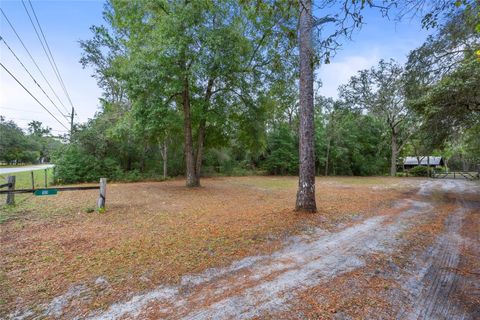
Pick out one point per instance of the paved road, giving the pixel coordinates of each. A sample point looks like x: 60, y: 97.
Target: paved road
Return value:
x: 25, y: 168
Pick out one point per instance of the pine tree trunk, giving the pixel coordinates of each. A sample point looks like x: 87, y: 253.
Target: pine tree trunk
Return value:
x: 306, y: 181
x: 192, y: 179
x: 393, y: 161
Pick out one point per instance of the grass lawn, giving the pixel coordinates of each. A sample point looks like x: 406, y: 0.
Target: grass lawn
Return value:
x: 23, y: 180
x: 154, y: 232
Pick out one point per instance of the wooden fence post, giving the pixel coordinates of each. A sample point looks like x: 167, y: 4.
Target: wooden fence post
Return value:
x: 33, y: 180
x: 103, y: 193
x: 11, y: 187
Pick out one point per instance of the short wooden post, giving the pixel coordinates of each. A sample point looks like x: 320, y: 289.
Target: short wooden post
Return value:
x: 11, y: 187
x: 103, y: 193
x: 46, y: 183
x: 33, y: 180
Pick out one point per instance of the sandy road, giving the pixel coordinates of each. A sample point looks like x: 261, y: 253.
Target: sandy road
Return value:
x: 259, y: 284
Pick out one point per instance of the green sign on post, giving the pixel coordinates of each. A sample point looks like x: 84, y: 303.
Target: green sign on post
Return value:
x: 45, y: 192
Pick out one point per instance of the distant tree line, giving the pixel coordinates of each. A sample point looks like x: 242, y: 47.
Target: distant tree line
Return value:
x: 19, y: 147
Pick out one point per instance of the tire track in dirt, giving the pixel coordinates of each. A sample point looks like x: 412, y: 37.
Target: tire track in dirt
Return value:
x: 434, y: 283
x: 434, y: 301
x: 267, y: 283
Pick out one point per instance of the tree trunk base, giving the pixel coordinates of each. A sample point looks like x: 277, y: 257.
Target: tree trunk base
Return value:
x: 194, y: 183
x: 306, y: 201
x: 308, y: 209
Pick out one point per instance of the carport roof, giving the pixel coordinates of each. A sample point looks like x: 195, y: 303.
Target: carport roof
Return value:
x: 424, y: 160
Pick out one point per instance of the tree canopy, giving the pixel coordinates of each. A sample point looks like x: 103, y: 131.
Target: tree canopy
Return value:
x: 17, y: 147
x: 212, y: 87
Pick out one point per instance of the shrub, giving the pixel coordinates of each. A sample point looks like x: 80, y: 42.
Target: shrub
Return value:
x: 441, y: 169
x: 132, y: 176
x: 419, y: 171
x: 74, y: 166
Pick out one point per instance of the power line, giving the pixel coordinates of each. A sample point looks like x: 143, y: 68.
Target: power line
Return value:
x: 1, y: 64
x: 54, y: 66
x: 43, y: 45
x: 52, y: 61
x: 18, y: 59
x: 33, y: 60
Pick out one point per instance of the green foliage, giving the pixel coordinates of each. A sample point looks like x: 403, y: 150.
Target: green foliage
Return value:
x: 443, y: 77
x: 351, y: 143
x: 107, y: 146
x: 463, y: 153
x: 17, y: 147
x: 441, y: 169
x: 451, y: 105
x: 202, y: 63
x: 89, y: 210
x: 282, y: 152
x: 418, y: 171
x: 75, y: 165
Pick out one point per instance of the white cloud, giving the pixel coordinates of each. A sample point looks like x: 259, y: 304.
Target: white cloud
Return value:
x: 339, y: 71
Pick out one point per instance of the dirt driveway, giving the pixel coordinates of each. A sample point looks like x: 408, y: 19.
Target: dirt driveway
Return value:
x: 267, y: 285
x: 419, y: 259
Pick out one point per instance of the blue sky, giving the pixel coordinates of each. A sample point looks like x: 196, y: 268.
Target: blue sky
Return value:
x: 66, y: 22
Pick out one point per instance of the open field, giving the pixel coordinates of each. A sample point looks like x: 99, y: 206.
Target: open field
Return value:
x: 159, y: 240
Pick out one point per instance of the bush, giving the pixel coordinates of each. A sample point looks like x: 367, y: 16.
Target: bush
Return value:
x: 74, y: 166
x: 441, y: 169
x: 131, y: 176
x: 419, y: 171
